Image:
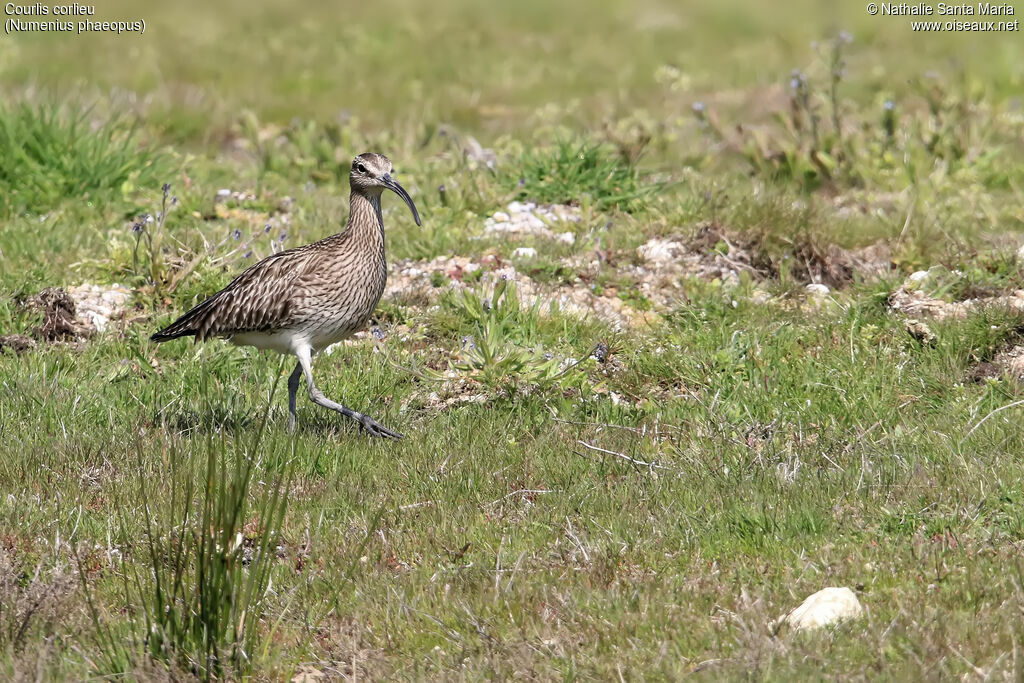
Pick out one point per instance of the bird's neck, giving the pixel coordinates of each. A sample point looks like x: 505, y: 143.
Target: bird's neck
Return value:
x: 365, y: 221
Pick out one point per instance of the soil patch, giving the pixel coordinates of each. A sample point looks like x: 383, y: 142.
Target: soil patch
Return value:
x: 18, y: 343
x: 911, y: 300
x: 914, y: 302
x: 803, y: 259
x: 422, y: 281
x: 58, y: 312
x: 70, y: 315
x: 1007, y: 363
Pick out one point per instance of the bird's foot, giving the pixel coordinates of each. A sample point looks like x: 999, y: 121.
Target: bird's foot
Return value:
x: 373, y: 428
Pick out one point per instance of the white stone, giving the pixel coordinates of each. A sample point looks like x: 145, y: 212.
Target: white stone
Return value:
x: 660, y: 252
x: 826, y: 607
x: 528, y: 218
x: 567, y: 237
x: 524, y: 252
x: 96, y: 305
x: 818, y: 289
x: 918, y: 276
x: 1020, y: 252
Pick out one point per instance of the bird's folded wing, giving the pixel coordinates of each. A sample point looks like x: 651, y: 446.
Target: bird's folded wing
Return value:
x: 264, y: 297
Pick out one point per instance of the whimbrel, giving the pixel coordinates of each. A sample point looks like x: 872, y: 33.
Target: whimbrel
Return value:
x: 302, y: 300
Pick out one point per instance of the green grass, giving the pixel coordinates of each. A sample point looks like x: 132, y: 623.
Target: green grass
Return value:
x: 49, y: 155
x: 574, y: 172
x: 642, y: 512
x: 198, y: 578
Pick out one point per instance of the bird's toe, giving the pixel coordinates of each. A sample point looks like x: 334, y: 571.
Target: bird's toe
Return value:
x: 374, y: 428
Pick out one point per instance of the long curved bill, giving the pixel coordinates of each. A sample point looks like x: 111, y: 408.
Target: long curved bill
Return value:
x: 393, y: 185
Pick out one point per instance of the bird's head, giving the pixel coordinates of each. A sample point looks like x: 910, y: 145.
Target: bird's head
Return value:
x: 372, y: 174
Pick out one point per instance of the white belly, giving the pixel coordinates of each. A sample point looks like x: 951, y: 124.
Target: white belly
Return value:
x: 284, y: 341
x: 287, y: 341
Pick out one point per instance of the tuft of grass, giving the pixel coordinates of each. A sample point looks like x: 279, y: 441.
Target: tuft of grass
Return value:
x: 497, y: 355
x: 49, y: 154
x: 580, y: 172
x: 197, y: 588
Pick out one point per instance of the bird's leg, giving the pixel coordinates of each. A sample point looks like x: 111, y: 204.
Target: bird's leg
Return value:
x: 367, y: 423
x: 293, y: 389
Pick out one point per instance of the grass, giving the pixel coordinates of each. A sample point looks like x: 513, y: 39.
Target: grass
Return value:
x: 575, y: 172
x: 50, y: 155
x: 634, y: 491
x: 199, y: 577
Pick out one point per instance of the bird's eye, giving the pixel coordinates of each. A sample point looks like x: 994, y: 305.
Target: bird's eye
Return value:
x: 360, y: 168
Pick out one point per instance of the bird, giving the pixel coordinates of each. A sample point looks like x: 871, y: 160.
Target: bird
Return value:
x: 302, y: 300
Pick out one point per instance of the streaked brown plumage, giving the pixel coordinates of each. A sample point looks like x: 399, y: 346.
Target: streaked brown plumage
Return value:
x: 303, y: 300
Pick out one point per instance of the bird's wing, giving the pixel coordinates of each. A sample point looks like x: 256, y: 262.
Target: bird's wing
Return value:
x: 263, y: 297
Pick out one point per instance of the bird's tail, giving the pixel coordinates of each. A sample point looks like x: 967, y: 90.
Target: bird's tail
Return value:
x: 169, y: 333
x: 187, y: 325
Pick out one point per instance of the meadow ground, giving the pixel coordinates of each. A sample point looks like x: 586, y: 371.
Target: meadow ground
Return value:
x: 635, y: 436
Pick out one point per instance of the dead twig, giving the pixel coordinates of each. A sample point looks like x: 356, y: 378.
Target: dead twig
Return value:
x: 982, y: 420
x: 641, y: 463
x: 635, y: 430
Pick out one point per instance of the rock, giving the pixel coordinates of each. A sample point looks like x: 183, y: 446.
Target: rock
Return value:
x: 1011, y: 361
x: 824, y: 608
x: 524, y: 252
x: 918, y: 276
x: 920, y: 331
x: 817, y: 289
x: 915, y: 302
x: 74, y: 313
x: 97, y: 305
x: 668, y: 260
x: 659, y: 252
x: 872, y: 262
x: 910, y: 300
x: 527, y: 218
